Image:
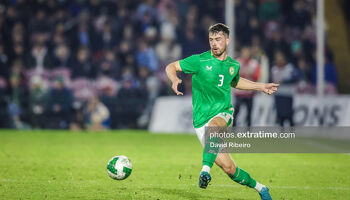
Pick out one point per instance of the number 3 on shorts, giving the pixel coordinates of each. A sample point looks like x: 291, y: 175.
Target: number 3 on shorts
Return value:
x: 221, y: 77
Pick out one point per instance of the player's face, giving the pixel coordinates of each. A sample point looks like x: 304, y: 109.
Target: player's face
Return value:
x: 218, y: 43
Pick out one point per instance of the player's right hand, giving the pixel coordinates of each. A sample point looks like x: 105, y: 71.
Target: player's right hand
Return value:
x: 174, y: 86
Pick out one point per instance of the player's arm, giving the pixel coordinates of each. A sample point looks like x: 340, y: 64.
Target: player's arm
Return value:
x: 171, y: 70
x: 245, y: 84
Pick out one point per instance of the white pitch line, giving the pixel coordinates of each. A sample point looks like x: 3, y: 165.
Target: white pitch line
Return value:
x: 292, y: 187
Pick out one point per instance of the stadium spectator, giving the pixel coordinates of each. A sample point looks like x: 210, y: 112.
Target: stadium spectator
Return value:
x: 191, y: 44
x: 259, y: 54
x: 151, y: 87
x: 37, y: 102
x: 108, y: 98
x: 109, y: 66
x: 17, y: 102
x: 288, y: 76
x: 130, y: 102
x: 40, y: 22
x: 4, y: 62
x: 11, y: 16
x: 59, y: 102
x: 82, y: 65
x: 19, y: 52
x: 249, y: 69
x: 146, y: 56
x: 304, y: 86
x: 305, y: 69
x: 146, y: 14
x: 168, y: 50
x: 115, y: 71
x: 299, y: 16
x: 61, y: 56
x: 106, y: 38
x: 277, y: 44
x: 151, y: 36
x: 18, y: 33
x: 330, y: 76
x: 248, y: 23
x: 97, y: 115
x: 39, y: 58
x: 84, y: 35
x: 127, y: 48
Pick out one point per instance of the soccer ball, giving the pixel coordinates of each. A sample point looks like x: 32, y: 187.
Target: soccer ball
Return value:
x: 119, y: 167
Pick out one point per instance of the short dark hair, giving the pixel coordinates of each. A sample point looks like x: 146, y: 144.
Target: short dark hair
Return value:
x: 216, y: 28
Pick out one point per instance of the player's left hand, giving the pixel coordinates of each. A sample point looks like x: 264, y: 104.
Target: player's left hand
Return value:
x: 270, y: 88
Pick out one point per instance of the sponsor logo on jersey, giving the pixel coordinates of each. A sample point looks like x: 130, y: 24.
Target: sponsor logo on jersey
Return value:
x: 209, y: 68
x: 232, y: 71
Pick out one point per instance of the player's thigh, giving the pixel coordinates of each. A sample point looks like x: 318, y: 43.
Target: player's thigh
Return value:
x: 217, y: 121
x: 225, y: 162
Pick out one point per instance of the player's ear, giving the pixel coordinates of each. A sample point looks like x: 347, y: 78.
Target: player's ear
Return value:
x: 227, y: 41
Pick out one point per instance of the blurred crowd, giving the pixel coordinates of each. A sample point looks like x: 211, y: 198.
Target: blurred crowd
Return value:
x: 99, y: 64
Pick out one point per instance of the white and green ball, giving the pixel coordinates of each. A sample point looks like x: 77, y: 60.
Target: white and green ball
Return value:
x: 119, y: 167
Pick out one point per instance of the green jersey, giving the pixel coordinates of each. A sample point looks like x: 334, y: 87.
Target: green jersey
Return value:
x: 211, y: 85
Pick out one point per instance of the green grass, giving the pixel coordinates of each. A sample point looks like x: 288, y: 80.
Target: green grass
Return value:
x: 72, y: 165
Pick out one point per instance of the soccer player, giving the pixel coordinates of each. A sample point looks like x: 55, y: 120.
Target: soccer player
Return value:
x: 213, y: 75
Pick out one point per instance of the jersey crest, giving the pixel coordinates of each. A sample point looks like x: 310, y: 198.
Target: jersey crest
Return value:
x: 232, y: 70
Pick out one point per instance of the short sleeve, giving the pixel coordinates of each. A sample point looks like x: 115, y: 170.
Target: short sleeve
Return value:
x: 235, y: 79
x: 190, y: 65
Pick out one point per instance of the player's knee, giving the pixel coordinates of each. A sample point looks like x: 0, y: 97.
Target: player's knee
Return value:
x: 213, y: 124
x: 229, y: 169
x: 217, y: 122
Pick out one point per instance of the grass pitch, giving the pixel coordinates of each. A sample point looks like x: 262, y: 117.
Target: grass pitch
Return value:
x: 72, y: 165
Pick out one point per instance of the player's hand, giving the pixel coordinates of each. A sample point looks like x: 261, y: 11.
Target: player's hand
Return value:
x: 270, y: 88
x: 174, y: 87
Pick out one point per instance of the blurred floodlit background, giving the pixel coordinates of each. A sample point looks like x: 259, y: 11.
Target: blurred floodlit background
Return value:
x: 99, y: 64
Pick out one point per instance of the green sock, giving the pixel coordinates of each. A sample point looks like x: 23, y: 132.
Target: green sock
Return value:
x: 209, y: 158
x: 242, y: 177
x: 210, y: 152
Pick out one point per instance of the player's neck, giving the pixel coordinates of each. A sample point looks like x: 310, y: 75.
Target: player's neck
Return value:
x: 222, y: 57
